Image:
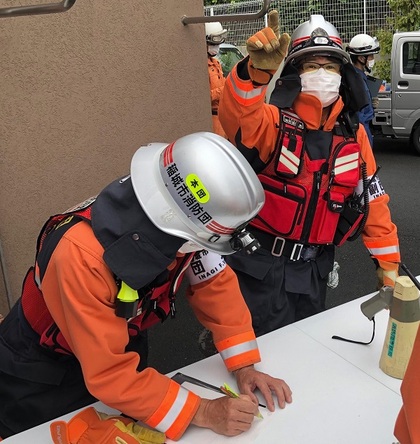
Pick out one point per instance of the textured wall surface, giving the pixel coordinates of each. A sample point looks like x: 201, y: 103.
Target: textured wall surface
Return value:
x: 80, y: 92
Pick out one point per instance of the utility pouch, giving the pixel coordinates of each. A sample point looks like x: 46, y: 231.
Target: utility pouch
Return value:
x: 345, y: 165
x: 348, y: 222
x: 324, y: 224
x: 345, y: 175
x: 283, y: 208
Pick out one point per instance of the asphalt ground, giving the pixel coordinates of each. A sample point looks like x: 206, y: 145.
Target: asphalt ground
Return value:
x: 174, y: 344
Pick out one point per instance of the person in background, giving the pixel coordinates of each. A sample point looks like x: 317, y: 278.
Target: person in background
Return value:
x: 316, y: 165
x: 362, y: 49
x: 108, y: 269
x: 407, y: 426
x: 215, y: 35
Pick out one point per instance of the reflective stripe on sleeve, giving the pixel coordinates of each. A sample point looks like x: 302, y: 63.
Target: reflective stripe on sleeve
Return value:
x: 383, y: 251
x: 239, y: 350
x: 390, y: 254
x: 244, y: 91
x: 175, y: 412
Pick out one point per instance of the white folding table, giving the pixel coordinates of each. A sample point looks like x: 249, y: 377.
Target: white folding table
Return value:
x: 340, y: 396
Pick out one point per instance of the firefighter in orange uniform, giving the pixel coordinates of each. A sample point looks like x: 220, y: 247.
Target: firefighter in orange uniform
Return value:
x: 215, y: 35
x: 407, y: 427
x: 109, y: 268
x: 315, y: 164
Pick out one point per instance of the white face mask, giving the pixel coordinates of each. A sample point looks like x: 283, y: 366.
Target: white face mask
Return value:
x: 322, y: 84
x: 213, y: 50
x: 370, y: 64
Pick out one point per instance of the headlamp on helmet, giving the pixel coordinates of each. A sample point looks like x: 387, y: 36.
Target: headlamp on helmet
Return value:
x: 244, y: 240
x: 316, y: 37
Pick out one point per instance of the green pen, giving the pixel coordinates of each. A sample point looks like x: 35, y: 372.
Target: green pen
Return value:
x: 229, y: 392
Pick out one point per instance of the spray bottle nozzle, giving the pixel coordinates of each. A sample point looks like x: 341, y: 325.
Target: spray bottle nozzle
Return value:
x: 377, y: 302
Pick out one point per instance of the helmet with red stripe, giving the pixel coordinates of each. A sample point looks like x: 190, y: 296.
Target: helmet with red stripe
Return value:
x: 199, y: 188
x: 316, y: 37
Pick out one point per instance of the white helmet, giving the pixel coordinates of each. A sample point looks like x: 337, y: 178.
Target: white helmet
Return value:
x: 363, y: 44
x: 199, y: 188
x: 315, y: 37
x: 215, y: 34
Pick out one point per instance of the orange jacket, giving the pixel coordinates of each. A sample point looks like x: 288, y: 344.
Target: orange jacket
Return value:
x: 80, y: 292
x: 407, y: 426
x: 217, y: 82
x: 243, y: 109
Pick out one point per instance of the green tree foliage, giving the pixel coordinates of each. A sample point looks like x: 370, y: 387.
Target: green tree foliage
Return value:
x: 405, y: 17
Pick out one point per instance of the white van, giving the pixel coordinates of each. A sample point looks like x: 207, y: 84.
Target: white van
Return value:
x: 398, y: 111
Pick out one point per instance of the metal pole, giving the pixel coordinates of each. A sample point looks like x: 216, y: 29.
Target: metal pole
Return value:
x: 37, y: 9
x: 228, y: 17
x: 364, y: 16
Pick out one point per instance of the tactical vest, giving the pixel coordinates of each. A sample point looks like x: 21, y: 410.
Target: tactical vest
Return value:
x: 156, y: 300
x: 308, y: 181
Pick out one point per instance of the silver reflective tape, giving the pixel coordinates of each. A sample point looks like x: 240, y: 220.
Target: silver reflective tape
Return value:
x: 346, y: 159
x: 248, y: 94
x: 174, y: 411
x: 384, y: 250
x: 346, y: 167
x: 239, y: 349
x: 290, y: 160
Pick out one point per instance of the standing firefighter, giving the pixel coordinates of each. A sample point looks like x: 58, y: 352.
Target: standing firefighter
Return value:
x: 313, y: 160
x: 362, y: 49
x: 107, y: 270
x: 215, y: 36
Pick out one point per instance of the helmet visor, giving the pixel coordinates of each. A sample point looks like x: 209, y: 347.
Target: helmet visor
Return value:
x: 216, y: 39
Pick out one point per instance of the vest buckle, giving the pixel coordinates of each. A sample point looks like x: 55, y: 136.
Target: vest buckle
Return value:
x: 278, y: 246
x: 296, y: 252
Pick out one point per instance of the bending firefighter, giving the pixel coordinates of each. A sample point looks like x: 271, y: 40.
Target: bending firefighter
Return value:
x: 316, y: 165
x: 108, y: 269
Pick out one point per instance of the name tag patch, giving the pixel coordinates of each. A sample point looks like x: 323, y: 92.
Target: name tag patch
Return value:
x: 204, y: 266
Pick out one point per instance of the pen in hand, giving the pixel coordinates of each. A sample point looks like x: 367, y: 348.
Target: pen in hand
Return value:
x: 229, y: 392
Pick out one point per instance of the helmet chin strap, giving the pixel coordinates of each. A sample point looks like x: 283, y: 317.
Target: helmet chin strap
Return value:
x: 365, y: 64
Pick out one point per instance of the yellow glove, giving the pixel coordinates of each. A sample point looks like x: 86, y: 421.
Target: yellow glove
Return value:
x: 267, y: 50
x: 387, y: 273
x: 92, y: 427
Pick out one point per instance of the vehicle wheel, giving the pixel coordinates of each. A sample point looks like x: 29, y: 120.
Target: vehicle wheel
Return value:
x: 415, y: 139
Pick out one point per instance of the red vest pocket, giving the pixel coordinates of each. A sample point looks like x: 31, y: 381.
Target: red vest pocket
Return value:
x: 283, y: 208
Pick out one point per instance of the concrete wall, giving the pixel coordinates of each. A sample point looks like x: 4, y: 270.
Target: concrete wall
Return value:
x: 80, y: 92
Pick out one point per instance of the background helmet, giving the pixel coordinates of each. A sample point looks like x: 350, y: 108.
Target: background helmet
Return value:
x: 215, y: 34
x: 199, y: 188
x: 363, y: 44
x: 315, y: 37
